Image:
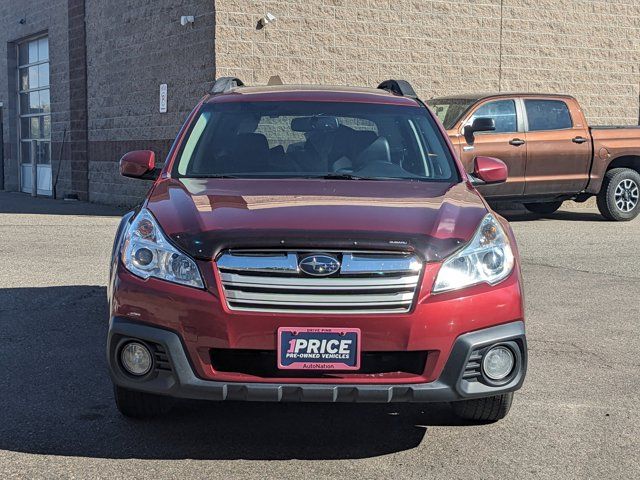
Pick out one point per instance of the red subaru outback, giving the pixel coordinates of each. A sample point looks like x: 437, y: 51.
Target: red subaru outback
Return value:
x: 315, y: 244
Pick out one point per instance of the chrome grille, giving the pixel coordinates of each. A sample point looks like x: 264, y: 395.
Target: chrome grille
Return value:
x: 367, y: 282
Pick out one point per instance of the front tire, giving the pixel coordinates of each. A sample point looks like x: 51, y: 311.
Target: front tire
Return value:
x: 140, y: 405
x: 619, y: 197
x: 546, y: 208
x: 488, y: 409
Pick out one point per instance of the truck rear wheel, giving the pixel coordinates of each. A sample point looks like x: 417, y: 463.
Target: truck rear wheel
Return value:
x: 546, y: 208
x: 135, y: 404
x: 619, y: 197
x: 488, y: 409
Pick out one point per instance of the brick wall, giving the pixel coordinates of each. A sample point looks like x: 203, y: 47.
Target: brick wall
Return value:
x: 109, y: 104
x: 132, y: 48
x: 590, y: 49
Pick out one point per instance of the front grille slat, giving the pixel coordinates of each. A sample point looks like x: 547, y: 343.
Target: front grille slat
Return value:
x: 331, y: 299
x: 315, y: 309
x: 299, y: 282
x: 366, y: 283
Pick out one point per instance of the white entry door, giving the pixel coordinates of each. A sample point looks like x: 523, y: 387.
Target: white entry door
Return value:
x: 34, y: 105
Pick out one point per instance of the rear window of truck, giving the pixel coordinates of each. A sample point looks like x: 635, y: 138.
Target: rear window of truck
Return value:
x: 315, y: 139
x: 547, y: 115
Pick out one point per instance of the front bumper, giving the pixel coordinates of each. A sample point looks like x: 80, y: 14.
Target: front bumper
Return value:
x: 177, y: 377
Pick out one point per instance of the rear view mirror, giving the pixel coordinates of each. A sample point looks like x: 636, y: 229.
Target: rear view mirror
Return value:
x: 480, y: 124
x: 319, y: 122
x: 139, y: 164
x: 488, y: 171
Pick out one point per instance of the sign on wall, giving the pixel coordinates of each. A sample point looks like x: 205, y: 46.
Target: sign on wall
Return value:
x: 163, y: 98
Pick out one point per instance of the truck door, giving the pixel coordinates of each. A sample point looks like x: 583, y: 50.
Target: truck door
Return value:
x: 558, y: 148
x: 506, y: 142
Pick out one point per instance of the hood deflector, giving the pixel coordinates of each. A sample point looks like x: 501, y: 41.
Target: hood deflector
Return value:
x: 203, y: 217
x: 208, y: 245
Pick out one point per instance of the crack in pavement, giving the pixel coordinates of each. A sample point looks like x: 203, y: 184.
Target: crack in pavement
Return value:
x: 589, y: 272
x: 561, y: 348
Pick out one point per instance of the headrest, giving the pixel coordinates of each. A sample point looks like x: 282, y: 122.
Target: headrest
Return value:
x: 251, y: 142
x: 378, y: 151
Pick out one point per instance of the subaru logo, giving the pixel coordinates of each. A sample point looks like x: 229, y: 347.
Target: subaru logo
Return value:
x: 319, y: 265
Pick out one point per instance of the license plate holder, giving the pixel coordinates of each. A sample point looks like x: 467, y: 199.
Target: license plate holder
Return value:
x: 317, y: 348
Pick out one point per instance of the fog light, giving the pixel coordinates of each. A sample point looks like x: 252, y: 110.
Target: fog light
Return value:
x: 136, y: 358
x: 498, y: 363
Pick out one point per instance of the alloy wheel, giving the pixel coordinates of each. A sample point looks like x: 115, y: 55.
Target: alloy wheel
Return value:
x: 627, y: 195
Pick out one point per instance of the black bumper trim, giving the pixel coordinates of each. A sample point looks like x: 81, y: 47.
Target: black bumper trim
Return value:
x: 181, y: 382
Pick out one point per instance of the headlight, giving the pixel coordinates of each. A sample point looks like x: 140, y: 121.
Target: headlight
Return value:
x: 488, y: 258
x: 146, y: 252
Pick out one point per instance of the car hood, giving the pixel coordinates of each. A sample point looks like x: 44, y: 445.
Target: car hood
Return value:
x: 205, y: 216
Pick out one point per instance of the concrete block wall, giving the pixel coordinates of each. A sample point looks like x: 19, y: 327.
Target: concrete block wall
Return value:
x: 590, y: 49
x: 582, y: 47
x: 132, y: 48
x: 105, y: 93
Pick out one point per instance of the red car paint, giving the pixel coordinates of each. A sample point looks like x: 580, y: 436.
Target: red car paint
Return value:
x: 189, y: 209
x: 135, y: 164
x: 491, y: 169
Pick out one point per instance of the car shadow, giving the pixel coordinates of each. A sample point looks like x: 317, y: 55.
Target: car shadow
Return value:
x: 564, y: 215
x: 57, y: 400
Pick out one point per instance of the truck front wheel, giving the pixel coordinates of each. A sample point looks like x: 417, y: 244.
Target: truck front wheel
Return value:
x: 619, y: 197
x: 546, y: 208
x: 488, y: 409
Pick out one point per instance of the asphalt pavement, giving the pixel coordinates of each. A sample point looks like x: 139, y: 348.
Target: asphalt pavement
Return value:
x: 576, y: 417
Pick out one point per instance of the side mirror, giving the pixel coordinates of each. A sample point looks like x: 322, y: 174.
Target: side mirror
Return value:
x: 480, y: 124
x: 488, y: 171
x: 139, y: 164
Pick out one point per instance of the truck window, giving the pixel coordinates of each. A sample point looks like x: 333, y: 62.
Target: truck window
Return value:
x: 450, y: 110
x: 503, y: 113
x: 547, y: 115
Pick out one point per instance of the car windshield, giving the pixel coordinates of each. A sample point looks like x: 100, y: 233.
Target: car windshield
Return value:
x: 449, y: 110
x: 343, y: 140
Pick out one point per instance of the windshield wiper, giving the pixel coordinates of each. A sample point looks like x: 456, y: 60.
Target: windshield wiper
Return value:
x: 326, y: 176
x: 339, y: 176
x: 349, y: 176
x: 206, y: 175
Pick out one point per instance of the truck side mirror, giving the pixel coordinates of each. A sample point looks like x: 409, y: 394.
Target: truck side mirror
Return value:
x: 480, y: 124
x: 488, y: 171
x: 139, y: 164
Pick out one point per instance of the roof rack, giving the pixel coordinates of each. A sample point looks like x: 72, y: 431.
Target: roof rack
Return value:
x: 224, y: 84
x: 398, y: 87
